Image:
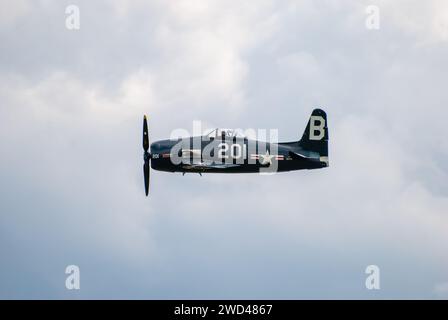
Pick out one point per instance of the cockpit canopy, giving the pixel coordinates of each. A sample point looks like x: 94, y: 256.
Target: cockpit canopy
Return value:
x: 225, y: 133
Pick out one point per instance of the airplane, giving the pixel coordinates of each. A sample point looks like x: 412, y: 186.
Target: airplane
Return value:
x: 224, y: 151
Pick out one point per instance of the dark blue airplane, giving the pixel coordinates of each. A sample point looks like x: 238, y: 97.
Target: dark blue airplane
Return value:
x: 223, y: 151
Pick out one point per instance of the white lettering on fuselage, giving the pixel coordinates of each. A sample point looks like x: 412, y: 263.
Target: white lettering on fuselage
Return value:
x: 234, y: 151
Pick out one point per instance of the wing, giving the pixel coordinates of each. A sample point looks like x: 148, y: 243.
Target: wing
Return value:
x: 298, y: 155
x: 207, y: 166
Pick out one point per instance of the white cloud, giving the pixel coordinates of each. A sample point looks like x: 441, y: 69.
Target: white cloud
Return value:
x: 426, y: 21
x: 11, y: 11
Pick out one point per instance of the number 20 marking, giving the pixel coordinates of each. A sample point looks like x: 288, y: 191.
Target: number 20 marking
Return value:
x: 235, y: 151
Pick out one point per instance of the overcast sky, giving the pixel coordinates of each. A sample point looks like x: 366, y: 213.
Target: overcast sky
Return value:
x: 71, y: 184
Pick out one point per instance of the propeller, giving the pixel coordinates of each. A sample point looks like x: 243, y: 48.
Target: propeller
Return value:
x: 146, y: 155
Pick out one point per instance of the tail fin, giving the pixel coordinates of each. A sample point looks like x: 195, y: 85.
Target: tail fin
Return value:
x: 315, y: 137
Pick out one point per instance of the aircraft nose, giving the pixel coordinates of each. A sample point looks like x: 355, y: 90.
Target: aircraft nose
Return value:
x: 155, y: 147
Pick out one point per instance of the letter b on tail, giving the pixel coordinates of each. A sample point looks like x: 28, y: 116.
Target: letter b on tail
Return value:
x: 315, y: 136
x: 317, y: 127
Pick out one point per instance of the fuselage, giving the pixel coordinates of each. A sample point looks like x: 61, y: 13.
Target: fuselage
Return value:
x: 231, y: 155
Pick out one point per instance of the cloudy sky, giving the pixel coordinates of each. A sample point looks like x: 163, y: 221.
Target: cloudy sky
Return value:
x: 71, y: 184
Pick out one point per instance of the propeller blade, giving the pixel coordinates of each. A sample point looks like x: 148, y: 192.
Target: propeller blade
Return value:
x: 146, y: 155
x: 145, y: 135
x: 146, y: 175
